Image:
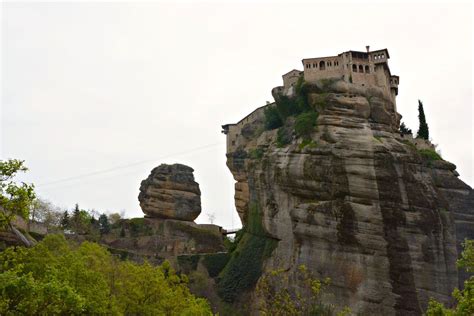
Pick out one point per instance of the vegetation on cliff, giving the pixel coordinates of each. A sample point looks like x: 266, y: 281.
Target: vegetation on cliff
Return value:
x: 244, y: 268
x: 423, y: 131
x: 291, y: 300
x: 464, y: 297
x: 298, y: 107
x: 56, y: 277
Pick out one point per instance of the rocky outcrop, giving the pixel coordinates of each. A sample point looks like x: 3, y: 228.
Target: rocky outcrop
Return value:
x: 359, y: 204
x: 171, y: 200
x: 158, y: 239
x: 171, y: 192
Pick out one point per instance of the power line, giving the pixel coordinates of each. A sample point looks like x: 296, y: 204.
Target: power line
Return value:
x: 97, y: 172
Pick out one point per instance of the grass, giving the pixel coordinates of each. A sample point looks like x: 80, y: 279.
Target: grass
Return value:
x: 429, y: 155
x: 307, y: 143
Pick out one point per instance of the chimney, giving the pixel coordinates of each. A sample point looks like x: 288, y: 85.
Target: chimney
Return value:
x: 368, y: 48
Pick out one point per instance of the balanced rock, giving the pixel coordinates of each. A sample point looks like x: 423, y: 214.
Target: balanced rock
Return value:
x: 170, y: 192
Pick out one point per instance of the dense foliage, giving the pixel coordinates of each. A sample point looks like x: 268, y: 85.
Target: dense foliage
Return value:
x: 15, y: 198
x: 465, y: 297
x: 55, y: 277
x: 304, y: 299
x: 298, y: 107
x: 404, y: 130
x: 429, y: 154
x: 423, y: 131
x: 244, y: 268
x: 304, y: 124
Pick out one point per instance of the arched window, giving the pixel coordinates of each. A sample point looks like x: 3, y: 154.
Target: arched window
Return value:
x: 314, y: 65
x: 354, y: 68
x: 322, y: 65
x: 367, y: 70
x: 361, y: 68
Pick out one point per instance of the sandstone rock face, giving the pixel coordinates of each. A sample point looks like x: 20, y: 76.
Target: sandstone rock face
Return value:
x: 170, y: 192
x: 361, y: 206
x: 156, y: 239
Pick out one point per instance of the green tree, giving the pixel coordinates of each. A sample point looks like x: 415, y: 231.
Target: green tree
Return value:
x: 304, y: 299
x: 104, y: 224
x: 465, y: 297
x: 80, y: 221
x: 55, y: 277
x: 45, y: 212
x: 15, y: 198
x: 272, y: 118
x: 305, y: 123
x: 65, y: 220
x: 423, y: 131
x: 404, y: 130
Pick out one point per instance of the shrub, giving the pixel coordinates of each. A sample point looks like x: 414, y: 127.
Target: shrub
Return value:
x: 464, y: 297
x: 319, y: 102
x: 404, y: 130
x: 283, y: 137
x: 58, y: 278
x: 429, y: 154
x: 256, y: 153
x: 286, y: 107
x: 307, y: 143
x: 272, y: 118
x: 305, y: 123
x: 304, y: 299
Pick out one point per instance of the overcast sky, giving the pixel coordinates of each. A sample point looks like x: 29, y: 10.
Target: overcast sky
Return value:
x: 97, y: 94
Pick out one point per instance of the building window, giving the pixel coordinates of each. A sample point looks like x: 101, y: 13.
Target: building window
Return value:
x: 361, y: 68
x: 233, y: 142
x: 354, y: 68
x: 322, y: 65
x: 314, y: 65
x: 367, y: 70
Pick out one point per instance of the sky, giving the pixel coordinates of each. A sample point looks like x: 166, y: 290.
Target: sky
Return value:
x: 96, y: 94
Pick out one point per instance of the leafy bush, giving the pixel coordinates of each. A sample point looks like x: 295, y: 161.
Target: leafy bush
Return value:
x: 15, y: 198
x: 57, y: 278
x: 404, y: 130
x: 465, y: 297
x: 305, y: 123
x: 319, y: 102
x: 286, y: 107
x: 308, y: 143
x: 283, y: 137
x: 304, y: 299
x: 272, y: 118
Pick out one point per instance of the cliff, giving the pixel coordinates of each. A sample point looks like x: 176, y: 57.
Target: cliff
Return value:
x: 379, y: 214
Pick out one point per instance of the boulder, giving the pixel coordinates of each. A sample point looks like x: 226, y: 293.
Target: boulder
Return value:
x: 170, y: 192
